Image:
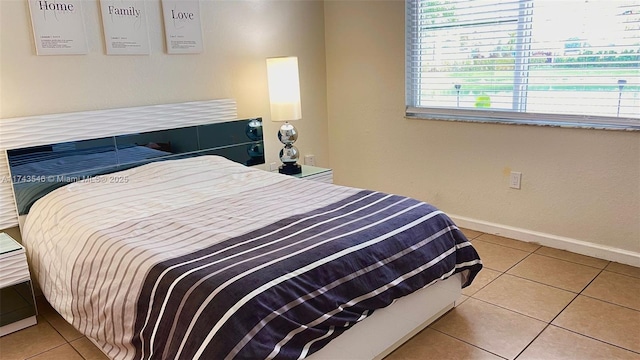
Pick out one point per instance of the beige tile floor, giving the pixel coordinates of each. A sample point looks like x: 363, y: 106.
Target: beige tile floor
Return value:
x: 529, y: 302
x: 536, y: 303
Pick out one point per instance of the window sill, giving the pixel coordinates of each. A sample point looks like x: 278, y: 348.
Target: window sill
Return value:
x: 492, y: 117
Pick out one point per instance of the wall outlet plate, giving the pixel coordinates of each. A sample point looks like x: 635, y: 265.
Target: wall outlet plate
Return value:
x: 310, y: 160
x: 515, y: 179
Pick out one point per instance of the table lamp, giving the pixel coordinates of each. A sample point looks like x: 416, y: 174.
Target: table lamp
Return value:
x: 284, y: 96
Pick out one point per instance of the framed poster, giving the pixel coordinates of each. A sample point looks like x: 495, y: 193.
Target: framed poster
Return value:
x: 182, y: 26
x: 125, y: 27
x: 58, y: 27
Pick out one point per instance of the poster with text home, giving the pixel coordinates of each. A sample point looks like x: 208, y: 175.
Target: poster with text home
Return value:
x: 182, y: 26
x: 125, y: 27
x: 58, y: 27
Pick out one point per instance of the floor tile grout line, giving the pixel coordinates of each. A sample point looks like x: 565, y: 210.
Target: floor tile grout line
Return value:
x: 50, y: 349
x: 619, y: 273
x: 568, y: 261
x: 460, y: 229
x: 59, y: 333
x: 64, y: 338
x: 554, y: 286
x: 575, y: 332
x: 625, y: 275
x: 552, y: 257
x: 529, y: 316
x: 574, y: 262
x: 518, y: 262
x: 590, y: 282
x: 509, y: 268
x: 609, y: 302
x: 487, y: 284
x: 501, y: 272
x: 595, y: 298
x: 575, y: 297
x: 471, y: 239
x: 564, y: 308
x: 510, y: 247
x: 541, y: 283
x: 595, y: 339
x: 76, y: 350
x: 507, y: 246
x: 532, y: 340
x: 468, y: 343
x: 507, y: 272
x: 41, y: 313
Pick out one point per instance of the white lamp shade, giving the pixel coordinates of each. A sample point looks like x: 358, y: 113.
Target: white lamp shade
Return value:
x: 284, y: 88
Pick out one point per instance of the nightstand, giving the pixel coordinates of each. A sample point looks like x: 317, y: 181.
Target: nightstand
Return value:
x: 316, y: 174
x: 17, y: 303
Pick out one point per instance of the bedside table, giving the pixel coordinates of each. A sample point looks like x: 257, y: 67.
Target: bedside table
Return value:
x: 316, y: 174
x: 17, y: 302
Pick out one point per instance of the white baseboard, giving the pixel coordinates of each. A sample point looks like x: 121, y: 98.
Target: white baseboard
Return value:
x: 554, y: 241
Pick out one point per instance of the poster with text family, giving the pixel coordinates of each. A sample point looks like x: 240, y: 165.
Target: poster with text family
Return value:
x: 125, y: 27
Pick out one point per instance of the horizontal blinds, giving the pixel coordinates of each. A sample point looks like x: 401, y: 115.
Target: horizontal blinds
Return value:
x: 576, y: 58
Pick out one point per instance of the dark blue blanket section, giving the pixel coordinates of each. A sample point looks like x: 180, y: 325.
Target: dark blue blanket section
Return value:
x: 318, y: 273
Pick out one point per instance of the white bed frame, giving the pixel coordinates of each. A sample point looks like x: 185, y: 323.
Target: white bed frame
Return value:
x: 386, y: 329
x: 373, y: 338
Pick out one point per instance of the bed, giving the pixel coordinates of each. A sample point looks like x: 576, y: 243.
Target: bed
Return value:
x: 175, y: 248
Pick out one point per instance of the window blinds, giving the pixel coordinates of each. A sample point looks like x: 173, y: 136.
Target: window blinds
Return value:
x: 572, y: 61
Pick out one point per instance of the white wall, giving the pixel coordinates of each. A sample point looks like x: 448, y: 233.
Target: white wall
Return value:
x: 238, y: 36
x: 579, y: 184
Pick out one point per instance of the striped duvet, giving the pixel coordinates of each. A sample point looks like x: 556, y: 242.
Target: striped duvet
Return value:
x: 203, y: 258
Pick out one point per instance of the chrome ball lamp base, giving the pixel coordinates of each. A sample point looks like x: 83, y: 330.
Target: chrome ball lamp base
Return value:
x: 289, y: 154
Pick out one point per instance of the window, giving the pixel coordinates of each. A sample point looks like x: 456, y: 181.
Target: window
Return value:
x: 571, y: 62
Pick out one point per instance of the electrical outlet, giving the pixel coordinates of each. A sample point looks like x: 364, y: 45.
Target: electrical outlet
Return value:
x: 310, y: 160
x: 273, y: 166
x: 515, y: 180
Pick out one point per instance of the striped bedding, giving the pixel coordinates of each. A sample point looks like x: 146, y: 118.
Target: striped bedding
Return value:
x: 203, y: 258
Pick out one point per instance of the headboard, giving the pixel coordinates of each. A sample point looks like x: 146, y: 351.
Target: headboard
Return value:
x: 117, y: 139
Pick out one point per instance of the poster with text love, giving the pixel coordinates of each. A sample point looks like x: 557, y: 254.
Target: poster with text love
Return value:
x: 183, y: 29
